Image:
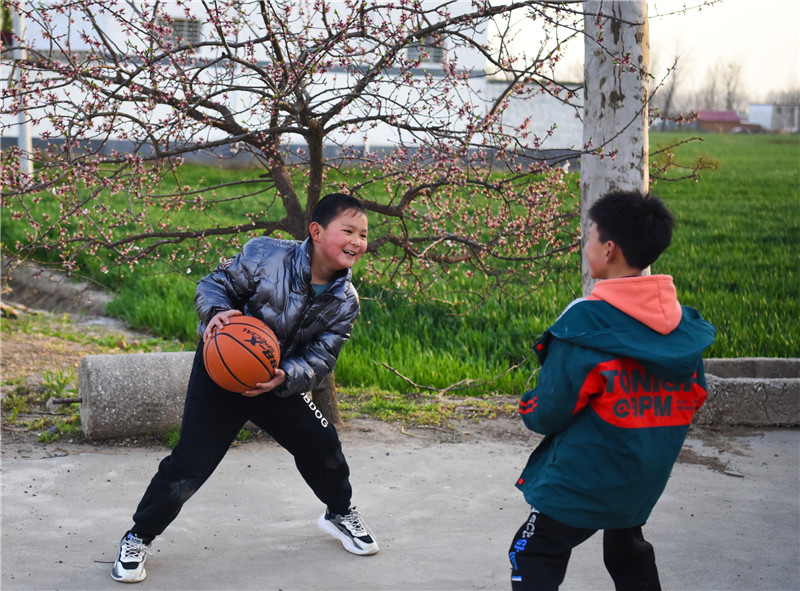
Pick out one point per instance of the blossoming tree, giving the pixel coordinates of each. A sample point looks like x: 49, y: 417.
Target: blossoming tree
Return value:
x: 127, y: 91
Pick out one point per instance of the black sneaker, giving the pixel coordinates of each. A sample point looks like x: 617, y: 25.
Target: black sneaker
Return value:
x: 129, y: 565
x: 351, y: 530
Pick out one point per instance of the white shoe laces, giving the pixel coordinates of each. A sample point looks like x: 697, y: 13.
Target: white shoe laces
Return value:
x: 133, y: 550
x: 353, y: 522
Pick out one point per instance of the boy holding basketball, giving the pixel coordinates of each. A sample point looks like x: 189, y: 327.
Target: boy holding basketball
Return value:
x: 621, y: 378
x: 303, y: 292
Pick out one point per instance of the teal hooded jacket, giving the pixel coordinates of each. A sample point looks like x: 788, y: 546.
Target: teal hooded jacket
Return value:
x: 621, y: 378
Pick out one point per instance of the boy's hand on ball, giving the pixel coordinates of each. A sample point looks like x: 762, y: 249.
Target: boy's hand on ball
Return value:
x: 277, y: 380
x: 219, y: 320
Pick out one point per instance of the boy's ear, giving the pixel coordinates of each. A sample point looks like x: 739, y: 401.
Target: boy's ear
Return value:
x: 611, y: 250
x: 314, y: 230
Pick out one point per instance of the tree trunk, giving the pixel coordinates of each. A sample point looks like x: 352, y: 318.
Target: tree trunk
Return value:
x: 324, y: 396
x: 616, y: 64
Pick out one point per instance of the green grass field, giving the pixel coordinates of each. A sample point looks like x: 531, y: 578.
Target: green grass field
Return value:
x: 734, y: 257
x: 736, y: 252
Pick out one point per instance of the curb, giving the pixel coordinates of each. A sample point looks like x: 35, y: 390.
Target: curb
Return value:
x: 133, y: 394
x: 752, y: 391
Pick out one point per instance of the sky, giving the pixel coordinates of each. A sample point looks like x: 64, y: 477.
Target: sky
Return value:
x: 762, y: 35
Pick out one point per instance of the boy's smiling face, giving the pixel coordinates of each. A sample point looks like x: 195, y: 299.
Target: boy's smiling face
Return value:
x: 339, y: 245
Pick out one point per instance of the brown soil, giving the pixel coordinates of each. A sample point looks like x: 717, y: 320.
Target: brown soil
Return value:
x: 27, y: 356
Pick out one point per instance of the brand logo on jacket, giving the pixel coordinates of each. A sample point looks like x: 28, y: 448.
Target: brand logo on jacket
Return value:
x: 625, y: 394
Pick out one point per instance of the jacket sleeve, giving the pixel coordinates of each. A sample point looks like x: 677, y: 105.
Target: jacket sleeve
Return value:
x: 308, y: 366
x: 229, y: 285
x: 556, y: 401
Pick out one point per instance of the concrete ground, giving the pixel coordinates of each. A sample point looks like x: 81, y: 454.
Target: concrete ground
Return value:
x: 443, y: 512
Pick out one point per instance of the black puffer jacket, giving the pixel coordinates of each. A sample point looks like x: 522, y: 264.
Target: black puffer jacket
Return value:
x: 271, y: 280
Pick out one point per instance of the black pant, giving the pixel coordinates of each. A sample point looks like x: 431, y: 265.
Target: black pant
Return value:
x: 212, y: 418
x: 541, y: 549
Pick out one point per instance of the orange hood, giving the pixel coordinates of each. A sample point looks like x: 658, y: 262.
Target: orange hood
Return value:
x: 650, y: 299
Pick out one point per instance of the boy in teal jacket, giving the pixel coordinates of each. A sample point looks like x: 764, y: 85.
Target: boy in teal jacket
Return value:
x: 621, y: 378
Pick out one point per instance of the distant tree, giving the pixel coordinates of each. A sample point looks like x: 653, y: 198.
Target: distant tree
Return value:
x: 708, y: 97
x: 789, y: 96
x: 667, y: 72
x: 732, y: 79
x: 663, y: 94
x: 666, y: 95
x: 722, y: 90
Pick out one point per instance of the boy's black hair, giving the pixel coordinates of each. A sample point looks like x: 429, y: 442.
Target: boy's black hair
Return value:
x: 639, y: 223
x: 333, y: 204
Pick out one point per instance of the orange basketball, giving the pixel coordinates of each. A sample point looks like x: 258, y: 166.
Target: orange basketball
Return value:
x: 242, y: 354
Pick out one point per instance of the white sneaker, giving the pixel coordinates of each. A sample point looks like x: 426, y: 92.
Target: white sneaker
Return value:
x: 129, y: 565
x: 351, y: 530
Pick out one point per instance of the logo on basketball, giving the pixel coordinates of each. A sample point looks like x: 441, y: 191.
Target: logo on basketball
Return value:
x: 258, y: 342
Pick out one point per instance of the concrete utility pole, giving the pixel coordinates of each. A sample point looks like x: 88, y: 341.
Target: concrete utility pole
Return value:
x: 24, y: 142
x: 616, y: 64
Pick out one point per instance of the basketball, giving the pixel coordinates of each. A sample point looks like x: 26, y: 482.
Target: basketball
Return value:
x: 241, y: 354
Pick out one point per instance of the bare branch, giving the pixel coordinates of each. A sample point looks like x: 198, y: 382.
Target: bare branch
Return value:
x: 464, y: 384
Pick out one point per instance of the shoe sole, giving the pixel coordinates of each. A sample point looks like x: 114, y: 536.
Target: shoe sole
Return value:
x: 124, y: 580
x: 348, y: 544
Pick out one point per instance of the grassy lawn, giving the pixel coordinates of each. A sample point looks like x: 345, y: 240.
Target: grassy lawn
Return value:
x: 736, y: 252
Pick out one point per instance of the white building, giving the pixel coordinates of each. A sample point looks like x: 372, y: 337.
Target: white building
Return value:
x: 783, y: 118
